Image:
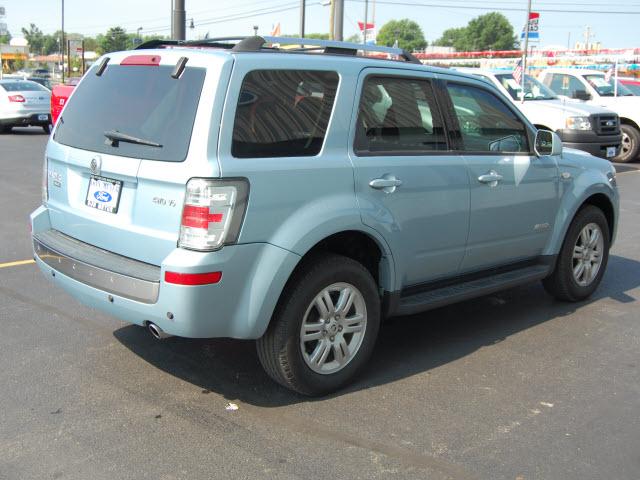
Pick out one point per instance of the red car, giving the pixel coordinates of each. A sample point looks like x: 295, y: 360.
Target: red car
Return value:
x: 633, y: 84
x: 59, y: 96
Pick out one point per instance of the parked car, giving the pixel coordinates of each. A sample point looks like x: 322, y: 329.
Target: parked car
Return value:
x: 59, y: 96
x: 632, y: 84
x: 45, y: 82
x: 591, y: 87
x: 24, y: 103
x: 211, y: 189
x: 590, y: 128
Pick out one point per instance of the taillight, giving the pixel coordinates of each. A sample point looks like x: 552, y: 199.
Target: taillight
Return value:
x: 16, y: 98
x: 212, y: 213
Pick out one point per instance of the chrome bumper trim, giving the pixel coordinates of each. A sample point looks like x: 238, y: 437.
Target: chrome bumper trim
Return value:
x: 144, y: 291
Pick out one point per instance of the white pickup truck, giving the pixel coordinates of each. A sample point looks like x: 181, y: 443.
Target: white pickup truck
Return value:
x: 590, y: 128
x: 591, y: 87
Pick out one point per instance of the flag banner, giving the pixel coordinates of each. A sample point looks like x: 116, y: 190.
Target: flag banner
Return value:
x: 534, y: 32
x: 370, y: 26
x: 517, y: 72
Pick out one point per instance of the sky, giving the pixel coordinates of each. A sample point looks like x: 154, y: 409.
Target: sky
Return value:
x: 238, y: 17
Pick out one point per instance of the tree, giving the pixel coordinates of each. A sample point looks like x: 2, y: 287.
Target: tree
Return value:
x: 407, y: 32
x: 35, y: 38
x: 491, y: 31
x: 6, y: 38
x: 114, y: 40
x: 355, y: 38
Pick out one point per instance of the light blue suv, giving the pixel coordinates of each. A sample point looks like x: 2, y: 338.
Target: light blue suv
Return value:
x: 300, y: 195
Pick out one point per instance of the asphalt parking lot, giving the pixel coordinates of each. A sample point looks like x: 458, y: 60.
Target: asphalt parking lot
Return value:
x: 510, y: 386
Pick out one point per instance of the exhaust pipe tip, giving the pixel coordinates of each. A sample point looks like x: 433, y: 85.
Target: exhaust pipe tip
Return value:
x: 157, y: 332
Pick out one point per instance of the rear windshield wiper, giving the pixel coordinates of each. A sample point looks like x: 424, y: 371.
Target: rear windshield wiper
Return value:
x: 116, y: 137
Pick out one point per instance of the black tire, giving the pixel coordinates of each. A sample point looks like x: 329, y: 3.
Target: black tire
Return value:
x: 279, y: 349
x: 46, y: 128
x: 5, y: 128
x: 561, y: 283
x: 630, y: 147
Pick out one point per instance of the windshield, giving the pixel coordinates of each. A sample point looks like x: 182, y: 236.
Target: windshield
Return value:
x: 606, y: 88
x: 534, y: 90
x: 137, y: 102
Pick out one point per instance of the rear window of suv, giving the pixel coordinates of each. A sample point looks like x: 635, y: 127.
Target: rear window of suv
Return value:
x: 138, y: 101
x: 283, y: 113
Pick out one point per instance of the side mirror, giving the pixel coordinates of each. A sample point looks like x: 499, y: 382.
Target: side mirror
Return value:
x: 581, y: 95
x: 547, y: 143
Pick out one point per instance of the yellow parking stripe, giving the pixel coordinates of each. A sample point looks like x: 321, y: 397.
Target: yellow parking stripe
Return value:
x: 16, y: 264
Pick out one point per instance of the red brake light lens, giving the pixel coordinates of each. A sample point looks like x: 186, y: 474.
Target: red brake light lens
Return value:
x: 142, y: 60
x: 16, y: 98
x: 199, y: 216
x: 192, y: 278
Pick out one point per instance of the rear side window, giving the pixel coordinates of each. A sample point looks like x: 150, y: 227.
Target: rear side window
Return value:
x: 398, y: 115
x: 19, y: 86
x: 566, y: 85
x: 486, y: 123
x: 139, y: 101
x: 283, y: 113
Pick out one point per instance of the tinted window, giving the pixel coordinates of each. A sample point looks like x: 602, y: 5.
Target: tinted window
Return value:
x: 144, y: 102
x: 283, y: 113
x: 486, y: 123
x: 22, y: 86
x: 398, y: 115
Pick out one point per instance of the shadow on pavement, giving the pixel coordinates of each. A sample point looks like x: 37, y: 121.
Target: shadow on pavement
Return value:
x: 407, y: 346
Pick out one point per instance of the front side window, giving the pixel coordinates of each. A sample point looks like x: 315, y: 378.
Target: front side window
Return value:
x: 398, y: 115
x: 283, y: 113
x: 486, y: 123
x: 566, y: 85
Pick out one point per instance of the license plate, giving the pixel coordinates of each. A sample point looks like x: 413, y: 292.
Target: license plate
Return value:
x: 104, y: 194
x: 611, y: 152
x: 43, y: 117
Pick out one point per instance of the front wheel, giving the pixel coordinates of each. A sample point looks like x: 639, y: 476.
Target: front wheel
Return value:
x: 630, y: 146
x: 583, y: 257
x: 325, y: 327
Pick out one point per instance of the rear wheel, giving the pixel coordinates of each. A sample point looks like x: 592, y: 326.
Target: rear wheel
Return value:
x: 630, y: 146
x: 325, y: 327
x: 46, y: 128
x: 5, y: 128
x: 583, y: 258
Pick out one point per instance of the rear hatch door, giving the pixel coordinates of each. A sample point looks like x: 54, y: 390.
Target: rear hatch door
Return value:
x: 126, y: 144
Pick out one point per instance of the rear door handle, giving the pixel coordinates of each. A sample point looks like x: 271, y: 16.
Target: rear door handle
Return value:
x: 492, y: 178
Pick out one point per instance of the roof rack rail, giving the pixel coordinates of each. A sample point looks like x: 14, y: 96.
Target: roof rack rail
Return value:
x: 258, y: 43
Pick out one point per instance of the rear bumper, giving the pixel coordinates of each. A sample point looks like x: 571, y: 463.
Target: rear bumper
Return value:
x: 239, y: 306
x: 590, y: 142
x: 26, y: 119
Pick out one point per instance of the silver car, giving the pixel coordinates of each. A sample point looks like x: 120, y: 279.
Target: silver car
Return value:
x: 24, y: 103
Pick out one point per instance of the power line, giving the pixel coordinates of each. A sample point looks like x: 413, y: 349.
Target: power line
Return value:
x: 501, y: 8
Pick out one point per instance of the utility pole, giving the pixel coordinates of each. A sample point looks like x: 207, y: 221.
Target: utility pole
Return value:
x: 338, y: 19
x: 366, y: 14
x: 302, y: 11
x: 587, y: 37
x: 332, y: 20
x: 526, y: 48
x: 178, y: 20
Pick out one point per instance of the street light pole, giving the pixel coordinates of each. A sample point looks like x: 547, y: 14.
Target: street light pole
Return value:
x: 179, y: 19
x: 338, y: 18
x: 366, y: 14
x: 302, y: 12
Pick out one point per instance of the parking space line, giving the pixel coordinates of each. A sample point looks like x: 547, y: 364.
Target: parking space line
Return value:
x: 16, y: 264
